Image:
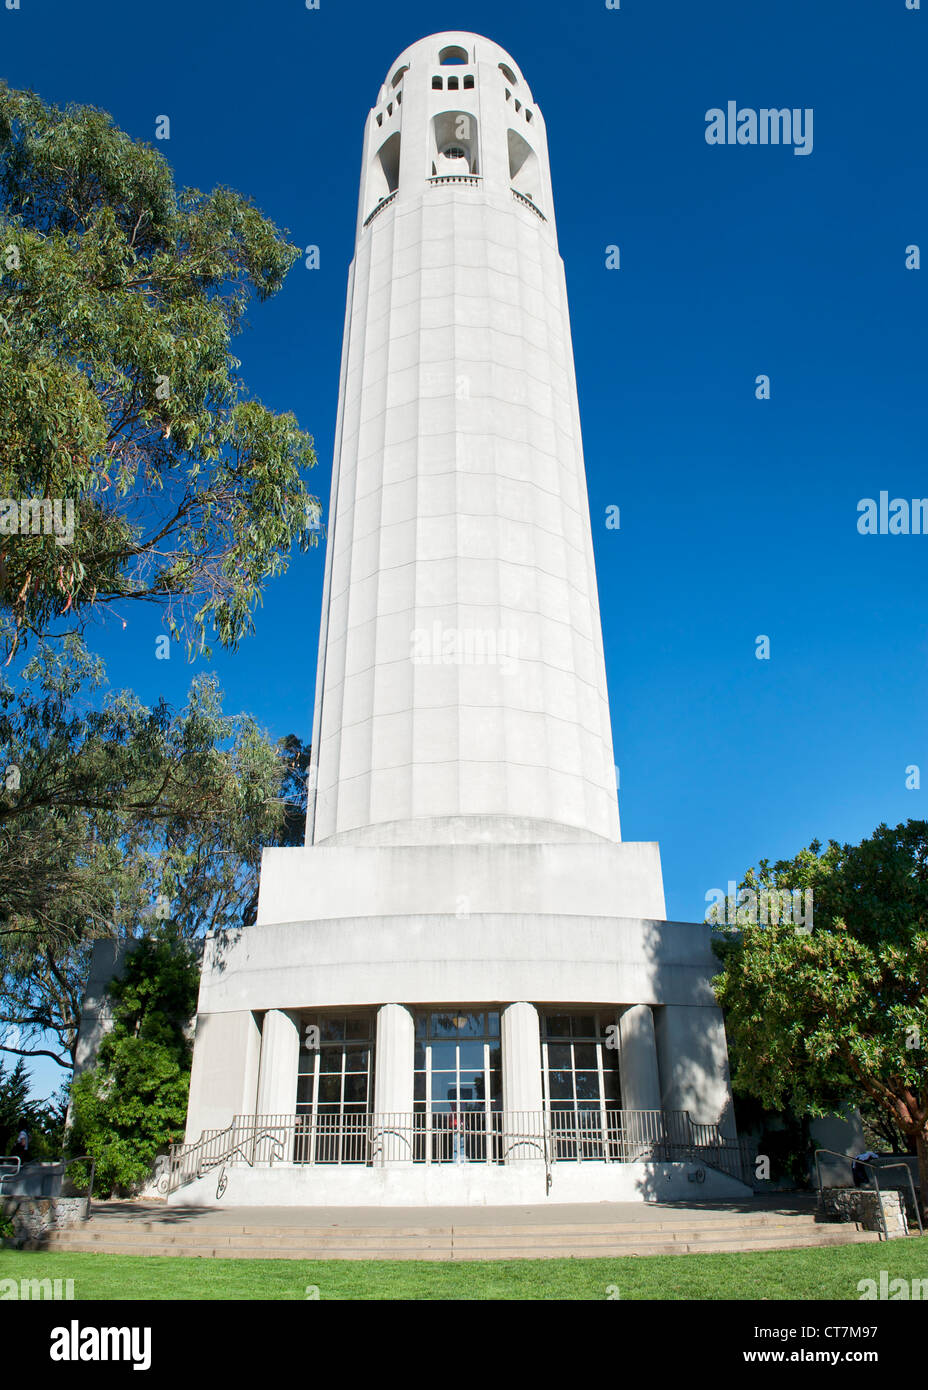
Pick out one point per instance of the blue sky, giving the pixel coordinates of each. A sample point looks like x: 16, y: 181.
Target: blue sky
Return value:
x: 738, y: 516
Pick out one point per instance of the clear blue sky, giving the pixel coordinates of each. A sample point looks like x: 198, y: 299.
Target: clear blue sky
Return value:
x: 738, y: 516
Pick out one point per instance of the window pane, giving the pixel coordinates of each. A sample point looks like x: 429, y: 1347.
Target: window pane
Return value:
x: 557, y: 1025
x: 584, y: 1054
x: 559, y: 1055
x: 472, y: 1087
x: 330, y: 1059
x: 444, y: 1056
x: 560, y: 1085
x: 493, y: 1024
x: 587, y: 1085
x: 444, y: 1085
x: 356, y: 1087
x: 330, y: 1088
x: 584, y: 1026
x: 472, y: 1054
x: 611, y: 1084
x: 333, y: 1029
x: 304, y: 1090
x: 356, y: 1058
x: 442, y: 1026
x: 418, y: 1086
x: 358, y: 1027
x: 418, y: 1056
x: 458, y: 1023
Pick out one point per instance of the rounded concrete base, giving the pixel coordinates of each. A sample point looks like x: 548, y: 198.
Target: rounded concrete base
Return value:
x: 451, y: 1184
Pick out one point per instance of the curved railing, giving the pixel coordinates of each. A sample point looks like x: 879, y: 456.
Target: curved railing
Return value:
x: 866, y: 1163
x: 521, y: 198
x: 481, y: 1136
x: 384, y: 203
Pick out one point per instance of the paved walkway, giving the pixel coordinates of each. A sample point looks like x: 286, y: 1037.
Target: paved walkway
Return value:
x: 643, y: 1214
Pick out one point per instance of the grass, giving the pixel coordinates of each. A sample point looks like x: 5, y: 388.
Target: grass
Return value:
x: 831, y: 1273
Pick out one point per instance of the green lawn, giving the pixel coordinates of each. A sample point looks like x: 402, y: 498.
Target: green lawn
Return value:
x: 809, y: 1274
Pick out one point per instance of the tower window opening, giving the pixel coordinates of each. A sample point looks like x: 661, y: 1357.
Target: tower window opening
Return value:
x: 399, y: 100
x: 518, y: 104
x: 453, y: 54
x: 524, y: 170
x: 509, y: 74
x: 437, y: 84
x: 468, y: 82
x: 528, y: 114
x: 452, y: 84
x: 508, y: 94
x: 398, y: 76
x: 384, y: 171
x: 454, y: 152
x: 380, y: 118
x: 390, y: 108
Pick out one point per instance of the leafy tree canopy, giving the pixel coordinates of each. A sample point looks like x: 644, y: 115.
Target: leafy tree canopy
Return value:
x: 119, y: 296
x: 842, y: 1011
x: 134, y: 1100
x: 116, y: 820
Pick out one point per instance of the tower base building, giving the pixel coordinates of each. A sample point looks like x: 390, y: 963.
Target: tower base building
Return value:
x: 463, y: 989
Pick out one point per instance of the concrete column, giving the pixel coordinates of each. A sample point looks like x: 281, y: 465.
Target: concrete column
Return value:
x: 393, y: 1083
x: 224, y: 1078
x: 280, y: 1059
x: 522, y: 1095
x: 693, y: 1059
x: 641, y: 1087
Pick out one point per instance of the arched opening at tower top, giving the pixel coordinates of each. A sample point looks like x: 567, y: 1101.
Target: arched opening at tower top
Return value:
x: 384, y: 173
x: 453, y: 54
x: 454, y: 143
x: 524, y: 168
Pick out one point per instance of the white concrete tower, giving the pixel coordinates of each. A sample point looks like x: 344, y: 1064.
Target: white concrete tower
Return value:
x: 464, y: 975
x: 461, y: 689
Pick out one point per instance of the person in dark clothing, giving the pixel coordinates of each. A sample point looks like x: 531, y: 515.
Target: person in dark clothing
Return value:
x: 859, y: 1173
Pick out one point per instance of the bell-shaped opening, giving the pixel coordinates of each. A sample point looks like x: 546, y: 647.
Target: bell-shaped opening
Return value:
x: 453, y: 54
x: 524, y: 168
x: 454, y: 143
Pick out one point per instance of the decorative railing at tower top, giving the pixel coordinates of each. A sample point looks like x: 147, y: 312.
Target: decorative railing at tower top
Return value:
x: 454, y: 178
x: 385, y: 202
x: 521, y: 198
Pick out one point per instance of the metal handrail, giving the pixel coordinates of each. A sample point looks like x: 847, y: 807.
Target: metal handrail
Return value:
x: 613, y: 1136
x: 14, y: 1173
x: 384, y: 202
x: 85, y: 1158
x: 885, y: 1167
x: 865, y: 1163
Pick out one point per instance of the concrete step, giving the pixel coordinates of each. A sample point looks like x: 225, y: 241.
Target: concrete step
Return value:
x: 460, y: 1243
x: 522, y: 1251
x: 397, y: 1238
x: 117, y: 1227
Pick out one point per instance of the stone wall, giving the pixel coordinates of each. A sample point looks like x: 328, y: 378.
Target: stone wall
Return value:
x: 863, y: 1205
x: 34, y: 1217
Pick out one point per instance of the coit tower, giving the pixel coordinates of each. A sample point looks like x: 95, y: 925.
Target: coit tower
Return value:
x: 464, y: 975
